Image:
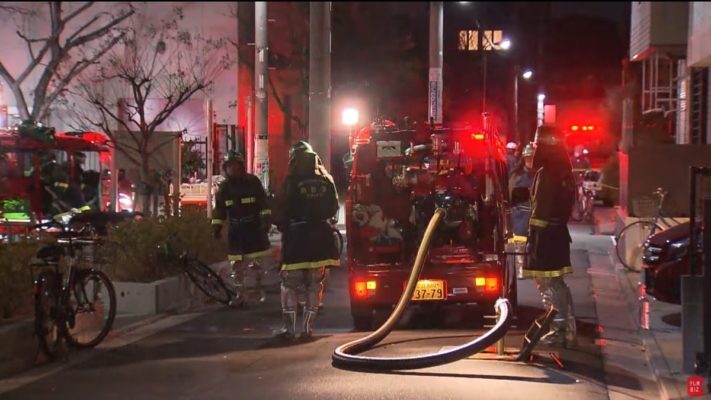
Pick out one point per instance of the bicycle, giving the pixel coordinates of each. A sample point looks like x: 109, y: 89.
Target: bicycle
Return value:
x: 204, y: 278
x: 57, y: 320
x: 632, y: 260
x: 585, y: 191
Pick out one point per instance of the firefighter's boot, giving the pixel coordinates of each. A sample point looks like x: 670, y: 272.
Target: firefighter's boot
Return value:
x: 307, y: 323
x: 288, y: 330
x: 237, y: 281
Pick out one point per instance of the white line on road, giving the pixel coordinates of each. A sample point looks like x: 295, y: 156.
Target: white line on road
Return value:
x: 78, y: 357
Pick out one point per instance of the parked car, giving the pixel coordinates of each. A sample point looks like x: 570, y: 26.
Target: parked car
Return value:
x: 666, y: 260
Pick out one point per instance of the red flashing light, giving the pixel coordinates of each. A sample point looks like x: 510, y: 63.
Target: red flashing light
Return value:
x: 575, y: 128
x: 478, y: 136
x: 590, y: 128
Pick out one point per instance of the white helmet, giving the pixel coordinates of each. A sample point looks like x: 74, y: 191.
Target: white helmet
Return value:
x: 511, y: 146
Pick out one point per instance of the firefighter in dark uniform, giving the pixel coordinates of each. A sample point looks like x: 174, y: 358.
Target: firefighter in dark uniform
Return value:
x: 241, y: 203
x: 521, y: 177
x: 548, y: 245
x: 60, y: 195
x: 304, y: 204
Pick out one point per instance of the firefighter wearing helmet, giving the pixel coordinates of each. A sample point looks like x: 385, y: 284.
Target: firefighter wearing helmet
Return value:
x: 520, y: 185
x: 548, y: 245
x: 304, y: 204
x: 241, y: 204
x: 511, y: 157
x: 61, y: 197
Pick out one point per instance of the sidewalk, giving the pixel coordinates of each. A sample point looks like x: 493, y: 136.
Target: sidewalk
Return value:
x: 659, y: 341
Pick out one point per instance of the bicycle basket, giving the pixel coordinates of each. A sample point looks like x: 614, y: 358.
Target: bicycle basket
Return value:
x: 644, y: 207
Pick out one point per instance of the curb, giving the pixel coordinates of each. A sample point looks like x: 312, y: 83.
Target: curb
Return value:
x: 666, y: 382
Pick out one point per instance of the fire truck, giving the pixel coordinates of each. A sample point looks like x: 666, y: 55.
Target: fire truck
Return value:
x: 20, y: 187
x: 398, y: 179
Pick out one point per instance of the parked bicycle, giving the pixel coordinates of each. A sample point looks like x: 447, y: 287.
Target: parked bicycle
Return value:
x: 637, y: 233
x: 65, y: 313
x: 204, y: 278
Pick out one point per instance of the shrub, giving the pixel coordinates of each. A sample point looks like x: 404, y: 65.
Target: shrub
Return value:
x: 138, y: 258
x: 16, y: 278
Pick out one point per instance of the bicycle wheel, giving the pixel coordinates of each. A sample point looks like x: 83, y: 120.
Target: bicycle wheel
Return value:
x: 632, y: 239
x: 207, y: 281
x: 49, y: 331
x: 93, y: 318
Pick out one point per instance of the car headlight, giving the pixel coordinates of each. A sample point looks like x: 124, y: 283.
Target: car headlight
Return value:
x: 678, y: 250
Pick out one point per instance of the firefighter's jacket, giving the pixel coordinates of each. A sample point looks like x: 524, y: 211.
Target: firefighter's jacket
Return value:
x: 60, y: 195
x: 552, y: 201
x: 241, y: 204
x: 521, y: 213
x: 304, y: 204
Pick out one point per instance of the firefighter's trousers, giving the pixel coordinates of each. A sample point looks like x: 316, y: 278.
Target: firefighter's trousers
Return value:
x: 309, y: 283
x: 555, y: 293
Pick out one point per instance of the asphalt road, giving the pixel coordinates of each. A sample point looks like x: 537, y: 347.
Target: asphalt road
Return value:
x: 229, y: 354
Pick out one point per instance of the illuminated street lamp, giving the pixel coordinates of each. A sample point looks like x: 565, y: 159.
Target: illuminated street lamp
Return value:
x: 541, y: 97
x: 527, y: 74
x: 350, y: 119
x: 505, y: 44
x: 350, y: 116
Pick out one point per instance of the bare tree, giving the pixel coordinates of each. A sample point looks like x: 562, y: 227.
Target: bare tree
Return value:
x: 64, y: 53
x: 288, y: 54
x: 157, y: 70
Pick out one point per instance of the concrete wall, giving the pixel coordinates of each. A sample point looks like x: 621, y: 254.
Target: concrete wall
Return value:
x: 699, y: 46
x: 657, y: 24
x: 667, y: 166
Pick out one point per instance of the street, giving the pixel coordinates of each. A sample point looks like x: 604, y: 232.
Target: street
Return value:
x: 224, y: 353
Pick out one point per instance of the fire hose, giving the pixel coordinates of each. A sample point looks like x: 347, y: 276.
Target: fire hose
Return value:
x: 346, y: 356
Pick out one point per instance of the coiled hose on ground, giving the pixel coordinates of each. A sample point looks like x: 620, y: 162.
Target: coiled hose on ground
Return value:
x: 345, y: 356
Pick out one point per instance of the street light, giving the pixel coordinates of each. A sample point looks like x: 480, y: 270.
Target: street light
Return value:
x: 541, y: 97
x: 525, y: 75
x: 350, y: 116
x: 505, y: 44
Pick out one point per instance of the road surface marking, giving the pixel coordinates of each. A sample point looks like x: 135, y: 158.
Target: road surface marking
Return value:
x: 78, y: 357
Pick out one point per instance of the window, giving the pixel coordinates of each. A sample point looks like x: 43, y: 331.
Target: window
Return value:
x: 16, y: 164
x: 494, y: 38
x: 469, y: 40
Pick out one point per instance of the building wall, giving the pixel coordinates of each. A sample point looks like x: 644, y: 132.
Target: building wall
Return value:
x: 699, y: 46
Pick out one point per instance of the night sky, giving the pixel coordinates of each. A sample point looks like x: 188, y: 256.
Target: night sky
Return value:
x: 613, y: 10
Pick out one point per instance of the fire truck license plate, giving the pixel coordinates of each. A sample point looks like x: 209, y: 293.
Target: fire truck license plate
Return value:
x: 429, y: 290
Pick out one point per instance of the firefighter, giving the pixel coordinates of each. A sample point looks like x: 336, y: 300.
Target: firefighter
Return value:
x: 241, y: 203
x: 511, y: 159
x: 581, y: 163
x: 78, y: 167
x: 60, y: 195
x: 548, y: 246
x: 521, y: 177
x: 304, y: 204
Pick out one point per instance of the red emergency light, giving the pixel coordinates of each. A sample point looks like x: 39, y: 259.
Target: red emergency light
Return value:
x: 585, y: 128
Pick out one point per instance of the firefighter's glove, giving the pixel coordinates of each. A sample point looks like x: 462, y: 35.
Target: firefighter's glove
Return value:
x: 217, y: 231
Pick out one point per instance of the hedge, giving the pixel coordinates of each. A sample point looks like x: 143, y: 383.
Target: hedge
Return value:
x: 16, y: 278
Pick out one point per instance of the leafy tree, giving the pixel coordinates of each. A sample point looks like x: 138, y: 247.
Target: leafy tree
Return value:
x: 61, y: 54
x: 136, y: 90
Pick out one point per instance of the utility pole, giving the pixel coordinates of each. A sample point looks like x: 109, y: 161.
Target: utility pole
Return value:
x: 249, y: 135
x: 517, y: 133
x: 320, y: 80
x: 436, y: 60
x: 209, y: 162
x: 261, y: 120
x: 238, y: 70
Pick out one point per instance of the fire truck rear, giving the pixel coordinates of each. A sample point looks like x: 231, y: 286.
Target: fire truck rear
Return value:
x: 399, y: 178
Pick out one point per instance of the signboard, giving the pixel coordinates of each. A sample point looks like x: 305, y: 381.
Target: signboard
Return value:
x: 435, y: 94
x: 549, y: 114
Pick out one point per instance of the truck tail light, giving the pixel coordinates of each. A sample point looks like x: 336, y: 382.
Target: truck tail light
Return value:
x: 363, y: 288
x: 490, y: 285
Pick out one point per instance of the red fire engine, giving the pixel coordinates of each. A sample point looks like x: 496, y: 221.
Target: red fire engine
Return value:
x: 20, y: 187
x: 399, y: 178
